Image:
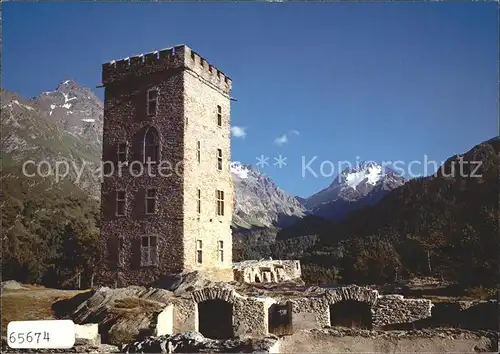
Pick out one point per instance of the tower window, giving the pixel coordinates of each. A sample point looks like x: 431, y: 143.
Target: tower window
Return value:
x: 219, y: 159
x: 152, y: 146
x: 152, y: 102
x: 198, y: 151
x: 221, y: 251
x: 121, y: 202
x: 122, y: 152
x: 150, y: 201
x: 219, y: 116
x: 149, y: 250
x: 199, y: 201
x: 220, y: 202
x: 199, y: 252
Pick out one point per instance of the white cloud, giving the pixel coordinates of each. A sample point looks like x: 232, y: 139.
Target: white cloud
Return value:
x: 238, y: 132
x: 280, y: 140
x: 283, y: 139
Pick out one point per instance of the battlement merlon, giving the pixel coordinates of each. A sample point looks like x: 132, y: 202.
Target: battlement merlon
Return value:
x: 178, y: 57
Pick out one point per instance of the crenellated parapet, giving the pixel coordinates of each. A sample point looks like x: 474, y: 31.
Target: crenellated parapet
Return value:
x: 206, y: 71
x: 180, y: 57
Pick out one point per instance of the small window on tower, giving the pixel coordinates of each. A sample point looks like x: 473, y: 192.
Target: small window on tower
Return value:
x: 219, y: 116
x: 150, y: 201
x: 199, y: 252
x: 199, y: 201
x: 121, y: 202
x: 221, y: 251
x: 149, y: 250
x: 219, y: 159
x: 151, y: 146
x: 152, y: 102
x: 198, y: 151
x: 220, y: 202
x: 122, y: 152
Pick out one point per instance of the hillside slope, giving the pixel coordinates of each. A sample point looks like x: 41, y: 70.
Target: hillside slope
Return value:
x: 445, y: 225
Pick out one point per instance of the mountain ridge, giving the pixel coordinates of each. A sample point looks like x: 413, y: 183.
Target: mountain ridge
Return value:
x: 355, y: 187
x: 66, y: 124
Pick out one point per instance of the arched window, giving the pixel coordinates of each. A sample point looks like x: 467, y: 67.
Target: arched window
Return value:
x: 152, y: 145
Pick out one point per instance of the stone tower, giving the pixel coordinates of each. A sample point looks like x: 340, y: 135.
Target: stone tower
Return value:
x: 167, y: 191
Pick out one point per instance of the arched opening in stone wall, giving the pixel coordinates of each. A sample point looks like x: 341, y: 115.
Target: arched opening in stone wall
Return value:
x: 352, y: 314
x: 215, y: 319
x: 257, y: 278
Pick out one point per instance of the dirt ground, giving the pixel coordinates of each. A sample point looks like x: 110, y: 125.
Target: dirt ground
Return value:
x: 31, y: 303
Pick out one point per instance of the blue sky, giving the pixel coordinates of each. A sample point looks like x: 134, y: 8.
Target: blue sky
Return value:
x: 362, y: 81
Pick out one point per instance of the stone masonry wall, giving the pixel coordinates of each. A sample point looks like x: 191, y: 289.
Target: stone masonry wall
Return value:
x: 394, y: 309
x: 250, y: 316
x: 310, y: 312
x: 249, y: 313
x: 184, y: 315
x: 314, y: 312
x: 201, y: 99
x: 125, y: 120
x: 273, y: 271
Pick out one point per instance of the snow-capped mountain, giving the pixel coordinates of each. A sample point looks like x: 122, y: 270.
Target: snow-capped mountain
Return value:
x: 355, y: 187
x: 64, y: 124
x: 75, y: 109
x: 260, y: 202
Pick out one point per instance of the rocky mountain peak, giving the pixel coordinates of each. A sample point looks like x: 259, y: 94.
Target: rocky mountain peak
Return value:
x: 75, y: 109
x: 365, y: 183
x: 365, y: 174
x: 259, y: 201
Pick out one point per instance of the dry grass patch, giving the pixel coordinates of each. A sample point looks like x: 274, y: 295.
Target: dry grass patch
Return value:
x: 34, y: 303
x: 133, y: 305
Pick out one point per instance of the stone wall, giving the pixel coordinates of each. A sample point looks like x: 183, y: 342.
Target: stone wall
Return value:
x: 266, y: 271
x: 395, y: 309
x: 184, y: 315
x: 201, y: 101
x: 249, y: 313
x: 310, y: 312
x: 250, y: 316
x: 316, y: 311
x: 125, y: 121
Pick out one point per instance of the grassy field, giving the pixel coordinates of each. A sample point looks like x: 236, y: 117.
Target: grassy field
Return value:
x: 32, y: 303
